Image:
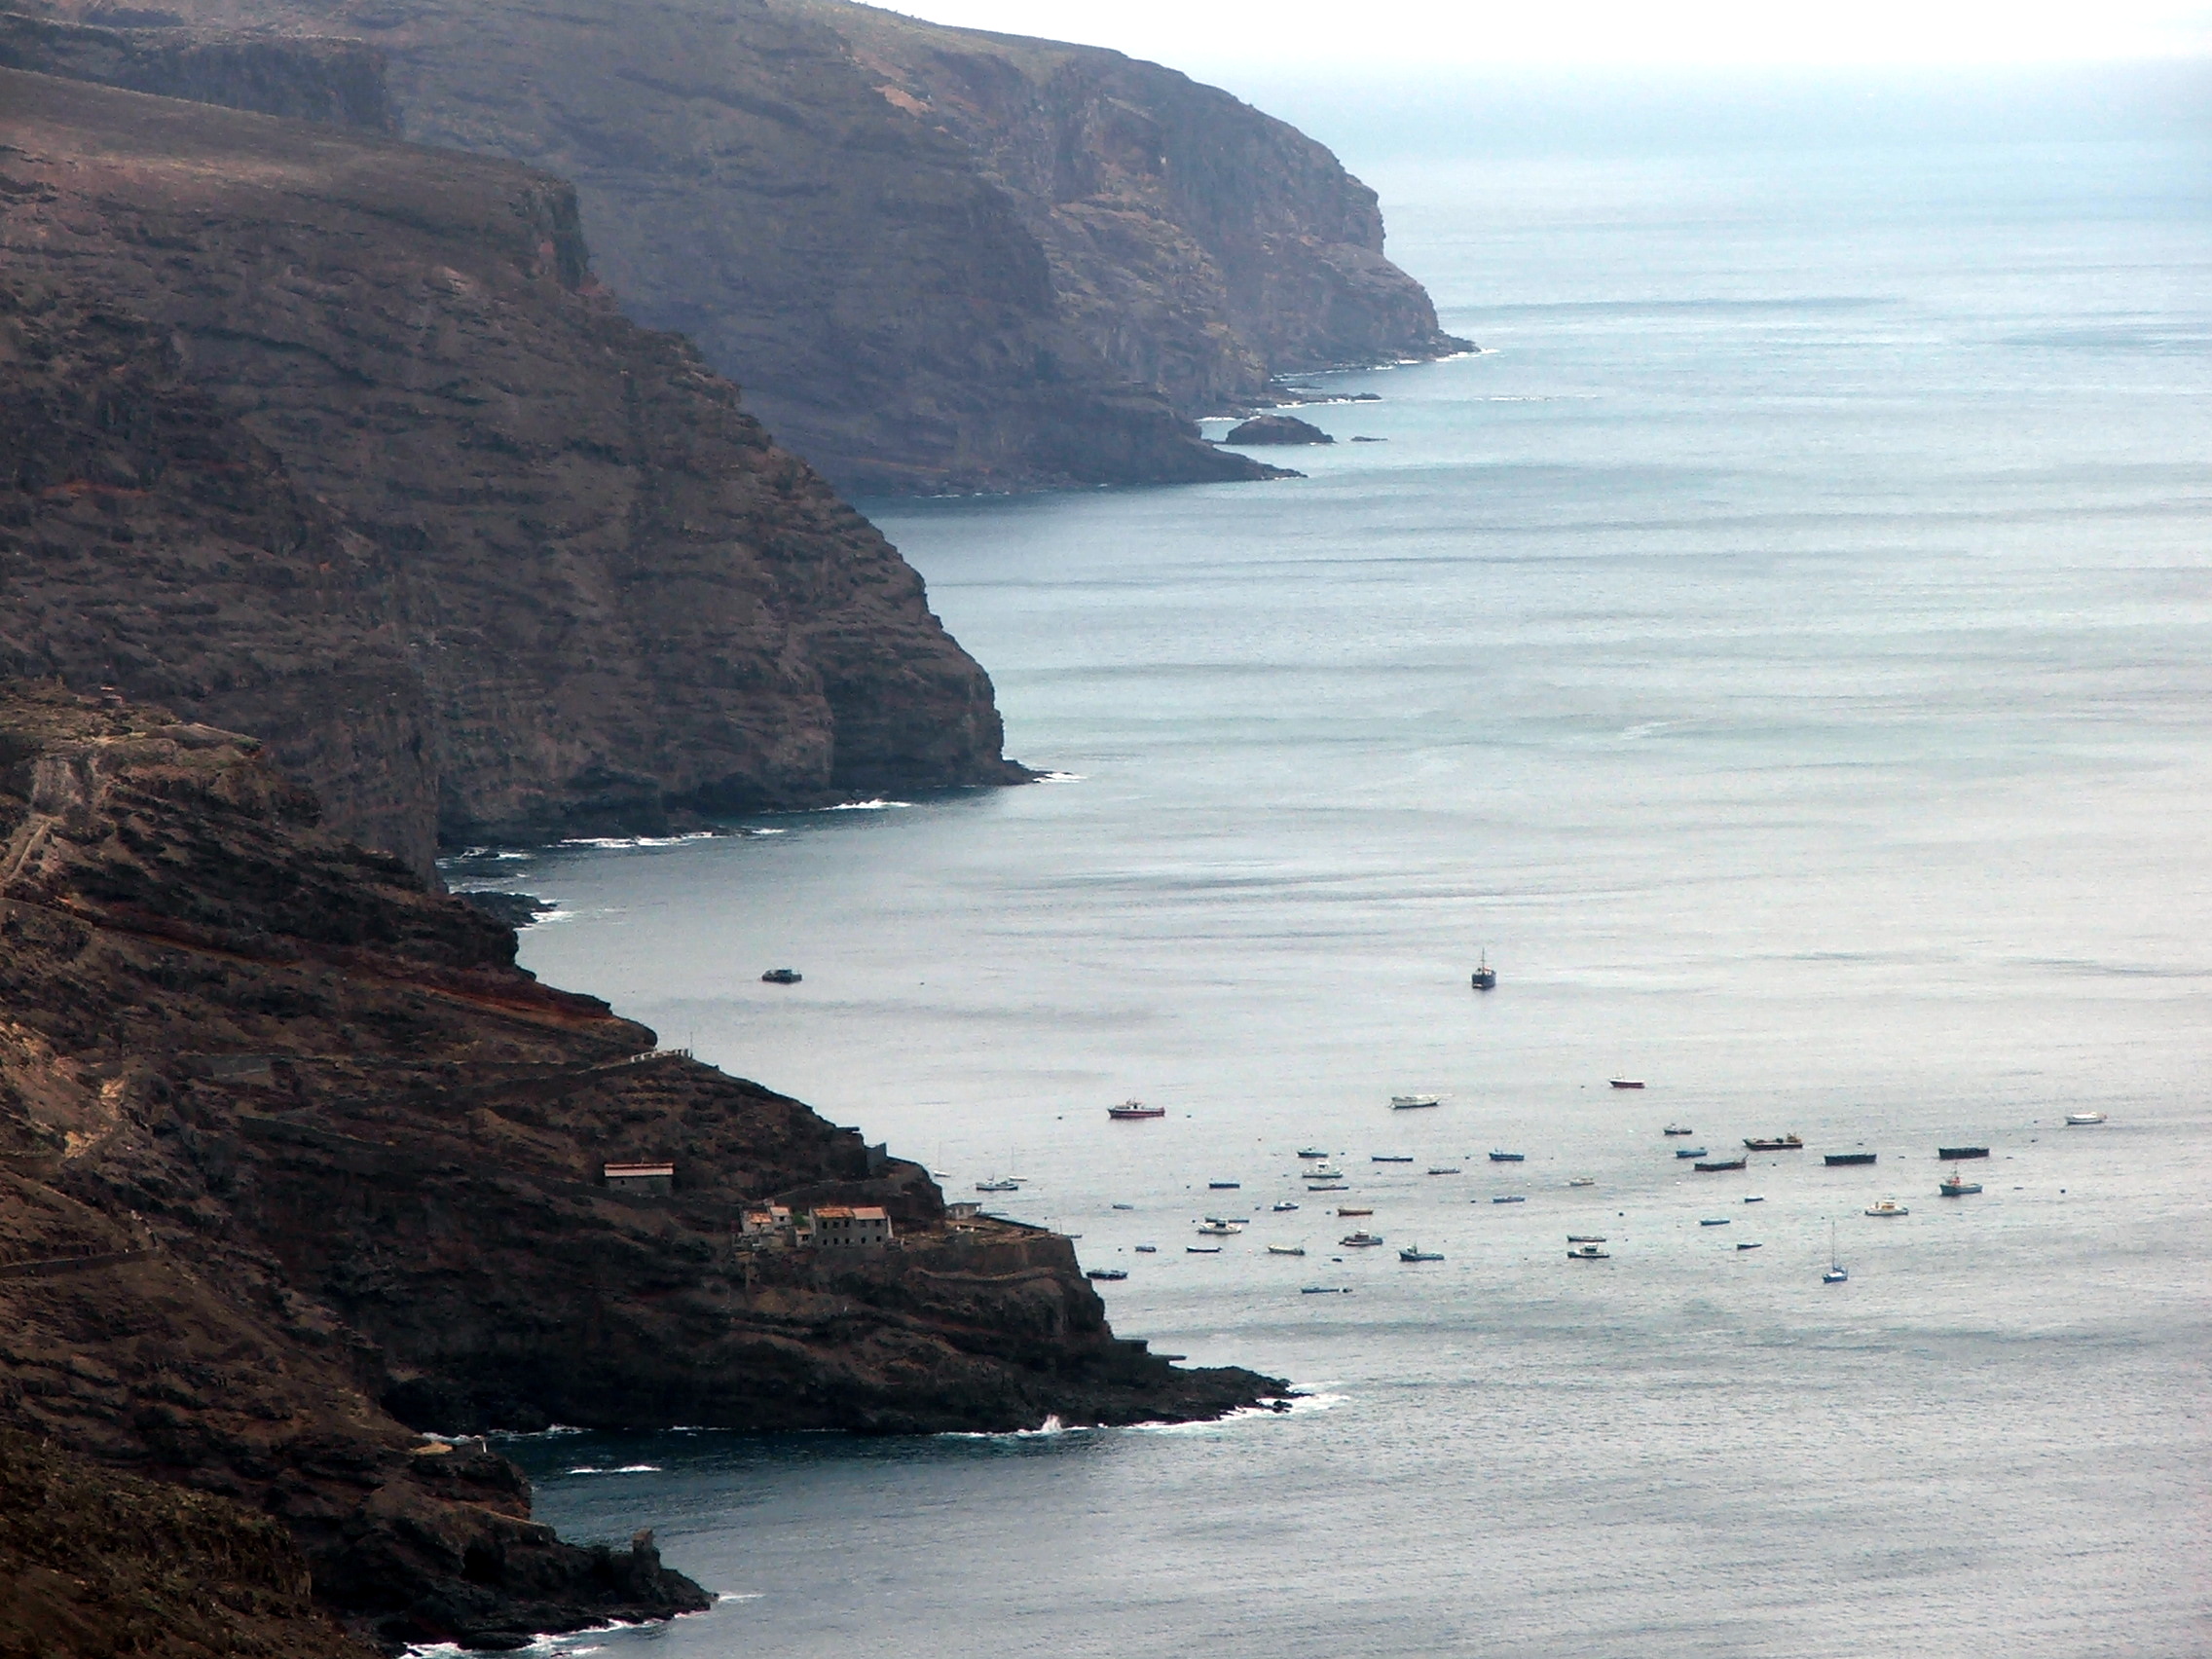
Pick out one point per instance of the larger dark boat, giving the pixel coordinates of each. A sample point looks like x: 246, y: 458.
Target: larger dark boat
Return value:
x: 1721, y: 1163
x: 1836, y: 1159
x: 1787, y: 1143
x: 1484, y: 977
x: 1961, y: 1151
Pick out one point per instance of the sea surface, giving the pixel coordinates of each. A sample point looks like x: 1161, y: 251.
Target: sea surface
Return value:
x: 1787, y: 650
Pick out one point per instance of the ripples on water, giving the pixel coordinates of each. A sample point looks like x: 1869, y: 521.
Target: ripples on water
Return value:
x: 1786, y: 648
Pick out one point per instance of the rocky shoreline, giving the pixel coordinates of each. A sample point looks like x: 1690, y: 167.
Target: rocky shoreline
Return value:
x: 299, y: 1165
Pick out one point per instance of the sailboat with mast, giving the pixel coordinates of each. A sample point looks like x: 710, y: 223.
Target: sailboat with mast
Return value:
x: 1837, y: 1274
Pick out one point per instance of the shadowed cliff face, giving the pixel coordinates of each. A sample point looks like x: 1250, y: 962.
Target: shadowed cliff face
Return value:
x: 292, y: 1154
x: 332, y: 439
x: 937, y: 259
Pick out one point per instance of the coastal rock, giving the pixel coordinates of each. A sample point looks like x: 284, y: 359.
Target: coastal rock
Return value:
x: 333, y: 439
x: 1277, y: 429
x: 294, y: 1161
x: 340, y: 82
x: 939, y: 260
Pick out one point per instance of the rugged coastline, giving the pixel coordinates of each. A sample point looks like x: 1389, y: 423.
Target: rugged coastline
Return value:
x: 299, y: 1165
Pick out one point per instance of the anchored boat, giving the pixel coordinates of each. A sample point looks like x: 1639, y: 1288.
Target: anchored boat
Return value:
x: 1783, y: 1143
x: 1712, y: 1163
x: 1129, y: 1109
x: 1958, y: 1151
x: 1414, y: 1102
x: 1837, y: 1160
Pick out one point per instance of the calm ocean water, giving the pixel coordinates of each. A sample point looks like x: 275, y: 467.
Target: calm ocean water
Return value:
x: 1788, y: 650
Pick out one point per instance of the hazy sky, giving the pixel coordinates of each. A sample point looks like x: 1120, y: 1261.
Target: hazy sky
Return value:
x: 1401, y: 34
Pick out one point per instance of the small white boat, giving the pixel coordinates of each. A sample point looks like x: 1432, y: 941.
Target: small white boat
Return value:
x: 1131, y: 1110
x: 1837, y: 1274
x: 1887, y: 1207
x: 1588, y: 1253
x: 1360, y: 1241
x: 1322, y: 1172
x: 2081, y: 1120
x: 1000, y: 1186
x: 1414, y: 1102
x: 1415, y: 1253
x: 1283, y: 1207
x: 1286, y: 1249
x: 1583, y: 1181
x: 1220, y: 1230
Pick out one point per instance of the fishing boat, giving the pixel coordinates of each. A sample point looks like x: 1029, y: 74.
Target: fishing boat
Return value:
x: 1129, y: 1109
x: 1484, y: 977
x: 1837, y: 1160
x: 1110, y: 1273
x: 1626, y: 1082
x: 1201, y: 1249
x: 1286, y: 1249
x: 1585, y: 1238
x: 1588, y: 1253
x: 1219, y: 1229
x: 1283, y: 1207
x: 1714, y: 1221
x: 1414, y: 1102
x: 1360, y: 1241
x: 782, y: 977
x: 1417, y: 1254
x: 1583, y: 1181
x: 1005, y: 1184
x: 1712, y: 1163
x: 1322, y: 1172
x: 1311, y: 1152
x: 1508, y: 1158
x: 1957, y: 1186
x: 2081, y: 1120
x: 1325, y: 1290
x: 1689, y: 1152
x: 1750, y: 1246
x: 1676, y: 1129
x: 1886, y: 1207
x: 1443, y: 1169
x: 1390, y: 1158
x: 1961, y: 1152
x: 1781, y: 1143
x: 1510, y: 1199
x: 1347, y: 1211
x: 1837, y: 1274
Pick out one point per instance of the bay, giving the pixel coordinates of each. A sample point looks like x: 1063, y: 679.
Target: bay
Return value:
x: 1784, y: 649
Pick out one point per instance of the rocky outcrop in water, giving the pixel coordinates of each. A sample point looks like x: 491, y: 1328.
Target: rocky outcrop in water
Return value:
x: 334, y: 439
x: 294, y: 1161
x: 937, y: 259
x: 1277, y: 429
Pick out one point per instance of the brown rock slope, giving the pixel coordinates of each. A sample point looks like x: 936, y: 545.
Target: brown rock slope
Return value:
x: 293, y: 1154
x: 937, y: 259
x: 329, y: 437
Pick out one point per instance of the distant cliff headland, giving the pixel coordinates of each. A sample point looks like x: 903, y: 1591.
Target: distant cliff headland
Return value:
x: 294, y: 1163
x: 935, y: 259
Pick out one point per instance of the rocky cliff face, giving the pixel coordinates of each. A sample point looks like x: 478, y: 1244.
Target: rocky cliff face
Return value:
x: 339, y: 82
x: 333, y: 439
x: 937, y: 259
x: 294, y: 1158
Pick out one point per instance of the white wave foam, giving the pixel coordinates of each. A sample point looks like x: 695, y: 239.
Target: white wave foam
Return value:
x: 1062, y: 777
x: 741, y: 1595
x: 545, y: 1433
x: 622, y: 843
x: 876, y: 805
x: 624, y: 1470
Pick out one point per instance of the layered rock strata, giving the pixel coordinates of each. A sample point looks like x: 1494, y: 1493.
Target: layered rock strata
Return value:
x: 296, y: 1161
x: 334, y: 439
x: 937, y: 259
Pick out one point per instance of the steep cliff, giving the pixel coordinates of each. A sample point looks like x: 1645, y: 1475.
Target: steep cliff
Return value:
x: 937, y: 259
x: 333, y: 439
x: 339, y: 82
x: 292, y: 1155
